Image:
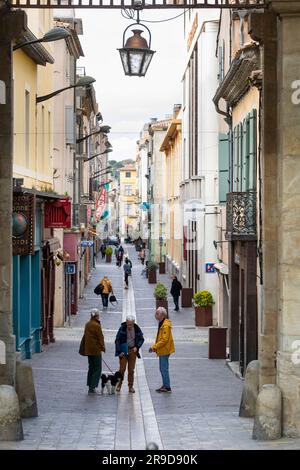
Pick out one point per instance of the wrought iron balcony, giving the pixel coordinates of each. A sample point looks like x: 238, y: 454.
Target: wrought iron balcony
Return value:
x: 241, y: 216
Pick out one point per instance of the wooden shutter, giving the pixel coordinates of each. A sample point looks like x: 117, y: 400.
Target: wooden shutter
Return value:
x: 223, y: 166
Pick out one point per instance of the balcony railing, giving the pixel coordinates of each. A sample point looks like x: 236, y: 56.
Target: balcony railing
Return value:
x: 241, y: 216
x: 150, y: 4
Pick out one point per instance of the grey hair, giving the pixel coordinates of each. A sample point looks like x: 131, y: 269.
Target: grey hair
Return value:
x: 163, y: 311
x: 95, y: 313
x: 130, y: 318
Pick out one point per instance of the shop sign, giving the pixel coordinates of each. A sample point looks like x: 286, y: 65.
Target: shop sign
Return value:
x: 58, y: 214
x: 70, y: 268
x: 23, y: 218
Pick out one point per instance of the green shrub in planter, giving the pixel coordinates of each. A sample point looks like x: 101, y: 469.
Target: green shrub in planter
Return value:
x: 203, y: 298
x: 152, y: 266
x: 160, y: 292
x: 108, y: 250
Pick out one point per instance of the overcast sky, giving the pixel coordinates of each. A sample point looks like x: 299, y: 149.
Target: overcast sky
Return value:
x: 126, y: 103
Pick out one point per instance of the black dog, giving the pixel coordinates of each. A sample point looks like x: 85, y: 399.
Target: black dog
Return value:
x: 110, y: 382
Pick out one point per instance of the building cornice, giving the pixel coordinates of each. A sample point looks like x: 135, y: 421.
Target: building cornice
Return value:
x: 171, y: 131
x: 236, y: 82
x: 37, y: 52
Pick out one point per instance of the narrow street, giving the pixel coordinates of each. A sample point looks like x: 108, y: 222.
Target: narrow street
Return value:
x: 201, y: 413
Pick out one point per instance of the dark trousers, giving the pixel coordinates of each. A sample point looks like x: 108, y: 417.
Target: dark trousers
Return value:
x: 94, y: 372
x: 176, y: 301
x: 143, y: 260
x: 105, y: 299
x: 126, y: 278
x: 103, y: 254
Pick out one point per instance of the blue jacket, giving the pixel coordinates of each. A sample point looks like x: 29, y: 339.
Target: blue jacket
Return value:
x: 121, y: 338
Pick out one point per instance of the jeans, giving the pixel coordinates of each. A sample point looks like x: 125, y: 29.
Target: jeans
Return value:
x: 94, y: 372
x: 176, y: 301
x: 105, y: 299
x: 164, y: 370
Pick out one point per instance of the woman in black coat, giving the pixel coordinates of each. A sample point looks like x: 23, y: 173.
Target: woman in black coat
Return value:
x: 175, y: 292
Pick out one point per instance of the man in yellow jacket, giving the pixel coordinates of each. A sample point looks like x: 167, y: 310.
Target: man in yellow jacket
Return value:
x: 164, y: 346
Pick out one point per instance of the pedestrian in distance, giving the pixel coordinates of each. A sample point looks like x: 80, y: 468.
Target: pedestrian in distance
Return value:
x: 120, y: 255
x: 128, y: 341
x: 102, y: 249
x: 92, y: 345
x: 176, y: 287
x: 163, y: 347
x: 142, y: 255
x: 117, y: 256
x: 106, y: 290
x: 127, y: 271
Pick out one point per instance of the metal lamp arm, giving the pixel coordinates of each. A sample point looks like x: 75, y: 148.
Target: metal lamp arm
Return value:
x: 23, y: 44
x: 39, y: 99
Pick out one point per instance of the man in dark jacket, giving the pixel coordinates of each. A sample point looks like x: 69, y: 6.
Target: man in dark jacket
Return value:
x: 175, y: 292
x: 92, y: 345
x: 127, y: 271
x: 128, y: 341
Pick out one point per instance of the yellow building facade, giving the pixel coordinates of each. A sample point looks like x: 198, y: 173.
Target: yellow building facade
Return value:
x: 128, y: 201
x: 33, y: 122
x: 171, y: 146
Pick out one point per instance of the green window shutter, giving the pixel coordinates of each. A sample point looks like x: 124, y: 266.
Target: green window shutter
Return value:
x: 235, y: 159
x: 244, y: 159
x: 223, y: 166
x: 252, y: 126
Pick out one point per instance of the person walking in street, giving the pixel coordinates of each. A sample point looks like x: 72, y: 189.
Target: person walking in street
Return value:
x: 102, y: 249
x: 92, y: 345
x: 175, y: 292
x: 128, y: 341
x: 117, y: 256
x: 164, y: 347
x: 106, y: 290
x: 127, y: 271
x: 142, y: 255
x: 120, y: 255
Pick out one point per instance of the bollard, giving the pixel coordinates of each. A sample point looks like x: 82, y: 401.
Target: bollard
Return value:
x: 267, y: 421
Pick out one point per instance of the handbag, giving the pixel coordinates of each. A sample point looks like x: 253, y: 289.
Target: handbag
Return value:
x: 113, y: 298
x: 82, y: 346
x: 98, y: 289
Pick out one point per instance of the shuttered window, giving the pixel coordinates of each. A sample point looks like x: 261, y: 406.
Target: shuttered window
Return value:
x: 223, y: 166
x: 69, y: 125
x: 244, y: 154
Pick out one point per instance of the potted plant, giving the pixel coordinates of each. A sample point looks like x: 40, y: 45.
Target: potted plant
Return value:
x: 108, y: 253
x: 203, y: 301
x: 161, y: 296
x: 151, y: 268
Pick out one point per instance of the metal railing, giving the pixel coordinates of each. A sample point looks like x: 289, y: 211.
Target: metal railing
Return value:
x: 241, y: 216
x: 143, y: 4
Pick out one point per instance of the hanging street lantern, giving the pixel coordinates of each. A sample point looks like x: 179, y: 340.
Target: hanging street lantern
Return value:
x: 135, y: 54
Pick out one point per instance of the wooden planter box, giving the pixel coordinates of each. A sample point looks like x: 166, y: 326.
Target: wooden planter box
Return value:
x: 152, y: 277
x: 108, y: 258
x: 217, y: 343
x: 162, y: 303
x: 203, y: 316
x: 162, y: 267
x: 187, y: 297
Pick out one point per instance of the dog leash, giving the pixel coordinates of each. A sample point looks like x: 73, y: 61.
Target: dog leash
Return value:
x: 107, y: 366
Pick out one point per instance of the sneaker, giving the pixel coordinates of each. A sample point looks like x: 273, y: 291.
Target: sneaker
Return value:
x: 91, y: 391
x: 159, y: 389
x: 165, y: 390
x: 131, y: 390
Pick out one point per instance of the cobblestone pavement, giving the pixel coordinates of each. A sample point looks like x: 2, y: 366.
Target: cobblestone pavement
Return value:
x: 201, y: 413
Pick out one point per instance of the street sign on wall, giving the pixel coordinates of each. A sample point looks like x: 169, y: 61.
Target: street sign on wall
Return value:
x: 210, y: 268
x: 70, y: 268
x: 86, y: 243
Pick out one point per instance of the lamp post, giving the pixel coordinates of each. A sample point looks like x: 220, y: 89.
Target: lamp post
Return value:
x: 136, y: 54
x: 54, y: 34
x: 81, y: 82
x: 98, y: 155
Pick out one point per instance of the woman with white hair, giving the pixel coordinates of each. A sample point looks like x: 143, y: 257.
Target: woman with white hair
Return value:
x: 164, y: 347
x: 128, y: 341
x: 92, y: 345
